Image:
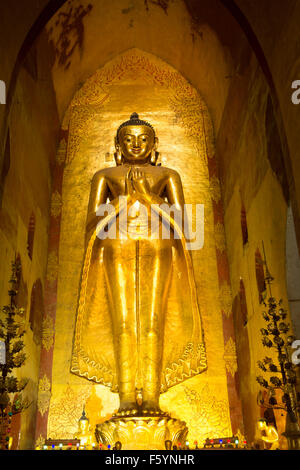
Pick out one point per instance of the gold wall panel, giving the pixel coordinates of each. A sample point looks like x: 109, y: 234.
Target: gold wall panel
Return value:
x: 138, y: 82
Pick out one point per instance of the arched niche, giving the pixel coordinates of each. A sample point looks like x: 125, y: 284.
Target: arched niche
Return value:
x: 84, y: 40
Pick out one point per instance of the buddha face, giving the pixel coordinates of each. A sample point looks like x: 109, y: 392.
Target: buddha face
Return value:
x: 136, y: 143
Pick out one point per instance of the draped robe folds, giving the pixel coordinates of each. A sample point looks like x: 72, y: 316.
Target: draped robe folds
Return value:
x: 93, y: 354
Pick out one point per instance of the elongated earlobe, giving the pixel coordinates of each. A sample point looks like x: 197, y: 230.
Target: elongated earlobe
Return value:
x: 154, y: 157
x: 118, y: 157
x: 154, y: 153
x: 118, y: 153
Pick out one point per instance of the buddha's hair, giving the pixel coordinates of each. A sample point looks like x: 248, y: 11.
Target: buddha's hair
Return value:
x: 133, y: 121
x: 83, y: 416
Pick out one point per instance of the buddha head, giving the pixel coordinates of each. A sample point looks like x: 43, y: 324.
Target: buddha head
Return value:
x: 136, y: 142
x: 262, y: 424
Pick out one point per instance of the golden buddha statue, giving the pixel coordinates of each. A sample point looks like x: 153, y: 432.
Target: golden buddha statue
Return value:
x: 138, y: 328
x: 268, y: 435
x: 84, y: 433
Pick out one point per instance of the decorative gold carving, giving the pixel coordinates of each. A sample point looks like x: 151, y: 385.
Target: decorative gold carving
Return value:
x: 56, y: 204
x: 44, y: 395
x: 190, y: 111
x: 47, y: 332
x: 230, y: 357
x: 193, y: 361
x: 210, y: 414
x: 65, y: 412
x: 142, y: 433
x: 61, y: 153
x: 52, y: 267
x: 40, y: 442
x: 215, y: 189
x: 225, y: 297
x: 220, y: 237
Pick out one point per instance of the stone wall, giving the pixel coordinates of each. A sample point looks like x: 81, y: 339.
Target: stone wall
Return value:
x: 251, y: 175
x: 25, y: 207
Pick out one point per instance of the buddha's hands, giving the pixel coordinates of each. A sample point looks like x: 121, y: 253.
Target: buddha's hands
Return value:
x: 129, y: 189
x: 140, y: 182
x: 136, y: 181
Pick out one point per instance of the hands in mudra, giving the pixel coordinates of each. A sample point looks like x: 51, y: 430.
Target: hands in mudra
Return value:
x: 136, y: 181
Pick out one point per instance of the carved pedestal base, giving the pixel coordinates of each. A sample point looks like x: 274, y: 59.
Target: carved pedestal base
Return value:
x: 142, y: 432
